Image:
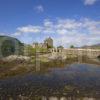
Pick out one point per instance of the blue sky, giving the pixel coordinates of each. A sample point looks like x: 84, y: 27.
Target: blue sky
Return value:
x: 66, y: 21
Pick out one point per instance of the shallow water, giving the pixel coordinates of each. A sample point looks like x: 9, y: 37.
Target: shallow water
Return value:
x: 74, y: 81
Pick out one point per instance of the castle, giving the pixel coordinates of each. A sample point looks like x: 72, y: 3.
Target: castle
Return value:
x: 48, y: 43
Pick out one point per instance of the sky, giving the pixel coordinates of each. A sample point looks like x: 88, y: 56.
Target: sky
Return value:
x: 68, y: 22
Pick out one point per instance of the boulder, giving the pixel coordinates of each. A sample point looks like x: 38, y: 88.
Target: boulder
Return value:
x: 12, y: 58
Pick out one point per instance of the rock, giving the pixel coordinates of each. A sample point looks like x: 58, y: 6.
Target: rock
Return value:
x: 16, y: 58
x: 56, y: 56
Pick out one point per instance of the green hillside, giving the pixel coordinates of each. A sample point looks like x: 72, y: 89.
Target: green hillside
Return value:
x: 10, y: 46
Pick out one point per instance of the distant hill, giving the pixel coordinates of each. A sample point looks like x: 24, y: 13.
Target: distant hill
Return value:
x: 10, y: 46
x: 95, y: 46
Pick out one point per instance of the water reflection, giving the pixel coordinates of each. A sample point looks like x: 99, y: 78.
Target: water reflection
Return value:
x: 73, y: 82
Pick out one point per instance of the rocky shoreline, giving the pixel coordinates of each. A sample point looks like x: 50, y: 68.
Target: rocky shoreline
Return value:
x: 17, y: 65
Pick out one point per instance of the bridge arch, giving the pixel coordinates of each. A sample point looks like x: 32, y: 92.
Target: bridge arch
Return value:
x: 98, y: 56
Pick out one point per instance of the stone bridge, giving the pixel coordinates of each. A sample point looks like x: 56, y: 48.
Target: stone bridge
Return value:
x: 91, y: 53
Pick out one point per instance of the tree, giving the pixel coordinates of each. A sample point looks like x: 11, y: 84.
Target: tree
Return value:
x: 60, y: 47
x: 72, y: 46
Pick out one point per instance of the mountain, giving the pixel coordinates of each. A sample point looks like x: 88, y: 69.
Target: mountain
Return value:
x: 95, y: 46
x: 10, y: 46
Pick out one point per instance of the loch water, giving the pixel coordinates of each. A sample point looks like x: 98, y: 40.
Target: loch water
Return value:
x: 72, y: 82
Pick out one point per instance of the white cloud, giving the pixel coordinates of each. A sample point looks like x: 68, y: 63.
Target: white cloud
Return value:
x: 2, y: 33
x: 30, y: 29
x: 89, y: 2
x: 77, y: 39
x: 68, y: 23
x: 66, y: 31
x: 16, y: 34
x: 39, y: 8
x: 48, y: 23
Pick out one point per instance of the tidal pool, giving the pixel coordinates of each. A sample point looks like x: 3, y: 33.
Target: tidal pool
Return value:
x: 72, y: 82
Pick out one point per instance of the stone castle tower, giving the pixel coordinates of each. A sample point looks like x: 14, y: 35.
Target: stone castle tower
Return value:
x: 49, y: 42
